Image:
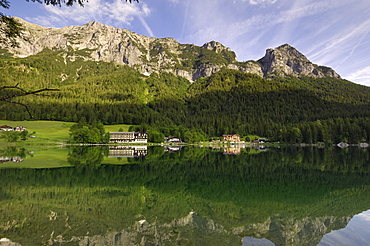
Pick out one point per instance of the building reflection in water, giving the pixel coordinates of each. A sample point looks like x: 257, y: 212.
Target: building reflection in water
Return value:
x: 174, y: 148
x: 128, y: 151
x: 232, y: 150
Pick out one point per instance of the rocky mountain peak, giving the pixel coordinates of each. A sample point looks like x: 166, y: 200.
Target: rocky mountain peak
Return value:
x: 100, y: 42
x: 94, y: 23
x: 286, y: 50
x: 216, y: 47
x: 286, y: 60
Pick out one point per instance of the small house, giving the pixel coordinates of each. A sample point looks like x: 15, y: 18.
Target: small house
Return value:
x: 234, y: 138
x: 172, y: 140
x: 6, y: 128
x: 20, y: 128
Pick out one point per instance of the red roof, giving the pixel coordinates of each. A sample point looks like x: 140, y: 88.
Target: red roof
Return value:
x: 6, y: 127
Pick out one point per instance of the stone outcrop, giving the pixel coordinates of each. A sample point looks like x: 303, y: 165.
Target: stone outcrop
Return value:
x: 99, y: 42
x: 286, y: 60
x: 216, y: 47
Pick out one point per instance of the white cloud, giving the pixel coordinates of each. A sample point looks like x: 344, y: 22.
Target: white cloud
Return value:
x: 255, y: 2
x: 361, y: 76
x: 260, y: 23
x: 115, y: 12
x: 364, y: 216
x: 345, y: 41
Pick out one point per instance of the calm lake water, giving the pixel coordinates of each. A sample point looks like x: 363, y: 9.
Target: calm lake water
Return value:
x: 142, y: 195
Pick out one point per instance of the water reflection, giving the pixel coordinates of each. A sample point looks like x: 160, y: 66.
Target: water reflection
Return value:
x: 173, y: 148
x: 355, y: 233
x: 12, y: 154
x: 128, y: 151
x: 188, y: 196
x: 12, y: 159
x: 250, y: 241
x: 232, y: 151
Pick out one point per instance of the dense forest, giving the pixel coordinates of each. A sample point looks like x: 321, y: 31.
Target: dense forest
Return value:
x: 289, y: 109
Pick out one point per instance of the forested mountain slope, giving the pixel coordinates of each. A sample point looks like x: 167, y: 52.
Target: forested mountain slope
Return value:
x: 229, y: 101
x: 282, y: 96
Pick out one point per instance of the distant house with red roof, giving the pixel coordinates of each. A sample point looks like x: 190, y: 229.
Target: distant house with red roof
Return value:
x: 6, y: 128
x: 234, y: 138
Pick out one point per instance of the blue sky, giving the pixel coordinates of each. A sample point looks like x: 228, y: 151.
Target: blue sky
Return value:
x: 332, y: 33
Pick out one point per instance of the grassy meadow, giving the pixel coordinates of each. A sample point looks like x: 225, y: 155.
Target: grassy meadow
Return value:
x: 51, y: 132
x: 44, y: 150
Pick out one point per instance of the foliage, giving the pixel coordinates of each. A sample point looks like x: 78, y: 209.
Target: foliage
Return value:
x: 10, y: 29
x: 194, y: 56
x: 14, y: 136
x: 85, y: 157
x: 290, y: 109
x: 67, y: 2
x: 84, y: 133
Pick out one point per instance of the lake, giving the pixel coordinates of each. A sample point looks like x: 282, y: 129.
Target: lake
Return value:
x: 139, y: 195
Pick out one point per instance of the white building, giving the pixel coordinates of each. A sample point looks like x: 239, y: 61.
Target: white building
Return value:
x: 128, y: 137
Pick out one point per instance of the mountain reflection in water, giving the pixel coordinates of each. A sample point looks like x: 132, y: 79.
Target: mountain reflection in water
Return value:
x: 191, y: 196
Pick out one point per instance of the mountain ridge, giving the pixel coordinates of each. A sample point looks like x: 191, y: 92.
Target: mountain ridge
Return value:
x: 286, y: 99
x: 156, y: 55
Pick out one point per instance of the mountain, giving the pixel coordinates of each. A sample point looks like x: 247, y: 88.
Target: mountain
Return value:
x: 286, y: 60
x: 197, y: 230
x: 115, y: 76
x: 105, y: 43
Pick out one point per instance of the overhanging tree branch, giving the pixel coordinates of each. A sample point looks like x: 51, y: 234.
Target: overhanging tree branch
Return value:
x: 68, y: 2
x: 17, y: 91
x: 10, y: 29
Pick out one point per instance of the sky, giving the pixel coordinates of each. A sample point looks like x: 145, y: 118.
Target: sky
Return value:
x: 333, y: 33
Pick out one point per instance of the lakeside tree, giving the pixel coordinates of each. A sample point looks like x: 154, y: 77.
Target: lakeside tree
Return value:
x: 88, y: 133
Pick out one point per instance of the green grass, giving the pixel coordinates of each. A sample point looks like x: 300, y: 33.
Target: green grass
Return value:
x: 45, y: 131
x: 41, y: 157
x: 48, y: 132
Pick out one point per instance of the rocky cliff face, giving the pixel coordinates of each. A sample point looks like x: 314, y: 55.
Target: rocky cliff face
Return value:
x: 151, y: 55
x: 286, y: 60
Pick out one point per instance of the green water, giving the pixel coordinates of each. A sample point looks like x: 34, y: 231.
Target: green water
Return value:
x: 193, y: 196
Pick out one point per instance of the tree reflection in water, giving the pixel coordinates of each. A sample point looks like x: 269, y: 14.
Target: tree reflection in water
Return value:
x: 196, y: 196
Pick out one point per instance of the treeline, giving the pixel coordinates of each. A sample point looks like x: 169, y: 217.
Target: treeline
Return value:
x: 290, y: 109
